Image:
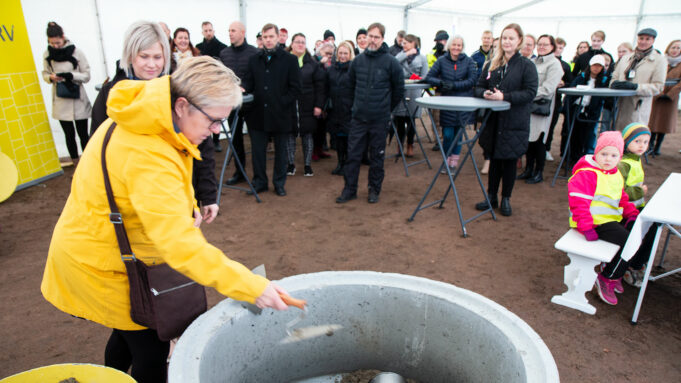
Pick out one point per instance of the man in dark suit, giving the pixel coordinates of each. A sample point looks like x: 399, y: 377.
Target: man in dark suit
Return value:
x: 273, y: 77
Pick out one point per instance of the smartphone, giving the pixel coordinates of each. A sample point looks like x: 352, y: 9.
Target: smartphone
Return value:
x: 488, y: 92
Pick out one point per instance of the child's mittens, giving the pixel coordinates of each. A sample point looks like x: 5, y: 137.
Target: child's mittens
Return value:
x: 591, y: 235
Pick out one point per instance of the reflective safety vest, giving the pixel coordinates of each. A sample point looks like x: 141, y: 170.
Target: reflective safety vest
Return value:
x: 635, y: 178
x: 605, y: 203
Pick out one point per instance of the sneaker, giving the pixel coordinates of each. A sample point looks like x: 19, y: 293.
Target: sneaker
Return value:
x: 549, y: 157
x: 605, y: 288
x: 291, y: 170
x: 617, y: 286
x: 308, y: 171
x: 634, y: 277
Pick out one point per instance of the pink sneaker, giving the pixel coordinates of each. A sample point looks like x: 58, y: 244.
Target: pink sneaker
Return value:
x: 617, y: 286
x: 606, y: 291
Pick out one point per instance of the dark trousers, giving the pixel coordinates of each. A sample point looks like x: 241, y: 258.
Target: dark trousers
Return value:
x: 615, y: 232
x: 501, y: 170
x: 404, y: 124
x: 554, y: 119
x: 237, y: 141
x: 536, y: 155
x: 70, y: 134
x: 259, y: 150
x: 319, y: 135
x: 656, y: 142
x: 140, y: 349
x: 361, y: 132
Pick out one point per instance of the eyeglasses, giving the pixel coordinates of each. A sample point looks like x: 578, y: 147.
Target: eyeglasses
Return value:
x: 213, y: 121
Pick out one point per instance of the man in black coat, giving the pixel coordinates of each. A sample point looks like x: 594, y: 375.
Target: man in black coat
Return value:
x: 235, y: 57
x: 582, y: 62
x: 378, y: 86
x: 210, y: 46
x: 397, y: 46
x: 273, y: 77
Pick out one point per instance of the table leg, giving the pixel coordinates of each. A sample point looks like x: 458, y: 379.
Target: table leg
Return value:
x: 644, y: 285
x: 566, y: 151
x: 229, y: 153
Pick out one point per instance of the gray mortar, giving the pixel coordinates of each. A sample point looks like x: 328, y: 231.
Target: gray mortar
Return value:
x: 419, y: 328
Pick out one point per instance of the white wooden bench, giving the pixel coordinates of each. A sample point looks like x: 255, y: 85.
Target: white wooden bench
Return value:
x: 579, y: 273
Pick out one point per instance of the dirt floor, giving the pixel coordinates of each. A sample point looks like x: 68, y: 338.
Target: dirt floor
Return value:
x: 511, y: 261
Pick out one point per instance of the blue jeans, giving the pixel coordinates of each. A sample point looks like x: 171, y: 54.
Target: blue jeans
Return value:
x: 448, y: 133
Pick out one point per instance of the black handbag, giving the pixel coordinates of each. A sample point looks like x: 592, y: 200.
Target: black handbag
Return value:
x: 541, y: 107
x: 68, y: 90
x: 160, y: 297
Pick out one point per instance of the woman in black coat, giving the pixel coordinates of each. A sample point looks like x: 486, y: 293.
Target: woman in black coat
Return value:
x: 513, y: 78
x: 339, y: 106
x: 310, y: 104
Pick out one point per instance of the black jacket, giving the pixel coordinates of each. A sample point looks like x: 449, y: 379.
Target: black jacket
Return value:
x: 596, y: 104
x: 313, y: 80
x: 236, y: 58
x: 275, y: 85
x: 454, y: 78
x: 582, y: 61
x: 203, y: 176
x: 506, y: 134
x: 395, y: 49
x: 340, y: 98
x: 211, y: 48
x: 378, y: 85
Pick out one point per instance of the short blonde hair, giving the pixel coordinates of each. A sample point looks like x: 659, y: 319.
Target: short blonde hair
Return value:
x: 347, y: 45
x: 206, y: 83
x: 142, y: 35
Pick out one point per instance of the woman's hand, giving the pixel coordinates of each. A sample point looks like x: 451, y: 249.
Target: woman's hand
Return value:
x: 55, y: 78
x: 270, y: 298
x: 324, y: 59
x: 495, y: 95
x: 317, y: 111
x: 197, y: 218
x: 412, y: 51
x: 210, y: 212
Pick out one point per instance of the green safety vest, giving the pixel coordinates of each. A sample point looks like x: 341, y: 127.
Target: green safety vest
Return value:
x: 635, y: 178
x: 605, y: 203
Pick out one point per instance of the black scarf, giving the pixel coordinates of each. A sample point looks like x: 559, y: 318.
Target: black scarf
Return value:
x: 62, y: 54
x: 411, y: 58
x: 638, y: 56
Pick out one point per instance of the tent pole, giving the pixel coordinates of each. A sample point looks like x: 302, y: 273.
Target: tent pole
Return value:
x: 639, y: 18
x: 405, y: 19
x: 101, y: 38
x: 242, y: 12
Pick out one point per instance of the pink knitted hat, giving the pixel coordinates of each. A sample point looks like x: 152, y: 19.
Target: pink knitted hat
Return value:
x: 610, y: 138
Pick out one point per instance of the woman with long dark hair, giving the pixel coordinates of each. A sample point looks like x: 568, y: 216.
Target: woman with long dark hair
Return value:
x: 67, y: 69
x: 513, y: 78
x: 181, y: 48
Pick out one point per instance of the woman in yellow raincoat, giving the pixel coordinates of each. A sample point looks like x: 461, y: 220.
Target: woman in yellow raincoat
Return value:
x: 149, y: 159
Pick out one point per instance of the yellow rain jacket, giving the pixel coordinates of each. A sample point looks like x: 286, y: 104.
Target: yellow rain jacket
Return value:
x: 150, y: 167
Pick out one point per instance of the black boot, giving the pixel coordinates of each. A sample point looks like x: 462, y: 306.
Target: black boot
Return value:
x: 342, y: 153
x: 484, y: 206
x: 536, y: 178
x: 505, y: 208
x: 525, y: 175
x: 658, y: 144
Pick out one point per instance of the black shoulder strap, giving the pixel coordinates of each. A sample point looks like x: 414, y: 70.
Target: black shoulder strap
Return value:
x: 115, y: 216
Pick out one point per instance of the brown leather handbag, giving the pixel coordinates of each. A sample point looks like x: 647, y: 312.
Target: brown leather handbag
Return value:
x: 160, y: 297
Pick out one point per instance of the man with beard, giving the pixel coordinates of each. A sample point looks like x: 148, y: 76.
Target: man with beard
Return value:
x: 377, y: 83
x: 210, y: 46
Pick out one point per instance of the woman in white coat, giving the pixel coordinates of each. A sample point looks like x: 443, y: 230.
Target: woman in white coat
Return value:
x: 550, y: 72
x: 67, y: 69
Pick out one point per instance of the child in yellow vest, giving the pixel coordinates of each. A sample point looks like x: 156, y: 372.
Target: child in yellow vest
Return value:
x: 600, y: 208
x: 636, y: 137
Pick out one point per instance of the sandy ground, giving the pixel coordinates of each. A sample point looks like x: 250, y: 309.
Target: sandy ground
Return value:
x: 511, y: 261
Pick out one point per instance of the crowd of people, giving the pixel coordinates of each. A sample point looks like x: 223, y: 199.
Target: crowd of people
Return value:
x: 171, y: 115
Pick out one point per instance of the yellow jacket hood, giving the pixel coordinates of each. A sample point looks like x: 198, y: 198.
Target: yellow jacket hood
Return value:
x: 143, y: 107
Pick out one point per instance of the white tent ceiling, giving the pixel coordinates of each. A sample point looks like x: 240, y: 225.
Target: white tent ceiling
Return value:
x: 97, y: 26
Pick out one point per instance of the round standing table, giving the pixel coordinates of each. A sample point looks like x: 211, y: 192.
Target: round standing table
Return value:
x: 411, y: 86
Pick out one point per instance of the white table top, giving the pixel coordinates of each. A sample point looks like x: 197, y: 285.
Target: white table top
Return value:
x: 603, y: 92
x: 663, y: 207
x: 462, y: 104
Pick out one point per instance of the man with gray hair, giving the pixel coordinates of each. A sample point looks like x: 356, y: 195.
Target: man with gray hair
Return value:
x: 235, y: 57
x: 377, y: 83
x: 397, y: 47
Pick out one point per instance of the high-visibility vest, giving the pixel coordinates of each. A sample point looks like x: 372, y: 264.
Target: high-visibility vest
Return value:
x: 605, y: 203
x: 635, y: 178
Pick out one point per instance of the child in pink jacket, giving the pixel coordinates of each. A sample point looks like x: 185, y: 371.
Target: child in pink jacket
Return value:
x: 600, y: 208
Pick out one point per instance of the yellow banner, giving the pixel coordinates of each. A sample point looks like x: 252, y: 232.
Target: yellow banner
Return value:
x: 25, y: 134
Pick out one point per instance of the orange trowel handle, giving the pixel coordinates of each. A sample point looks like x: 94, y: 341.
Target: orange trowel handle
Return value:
x: 289, y: 300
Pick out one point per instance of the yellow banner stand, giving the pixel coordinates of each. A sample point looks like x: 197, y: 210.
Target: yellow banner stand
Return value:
x: 25, y: 134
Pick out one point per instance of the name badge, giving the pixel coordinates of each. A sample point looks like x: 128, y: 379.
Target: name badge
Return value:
x: 631, y: 74
x: 488, y: 75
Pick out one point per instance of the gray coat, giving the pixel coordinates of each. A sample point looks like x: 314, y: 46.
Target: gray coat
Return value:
x: 419, y: 66
x: 550, y: 73
x: 650, y: 75
x: 69, y: 109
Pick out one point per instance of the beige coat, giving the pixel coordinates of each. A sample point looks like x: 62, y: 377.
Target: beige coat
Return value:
x: 663, y: 115
x: 650, y: 76
x: 68, y: 109
x: 550, y: 72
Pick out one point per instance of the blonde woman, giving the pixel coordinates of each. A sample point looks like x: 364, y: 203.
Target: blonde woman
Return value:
x: 513, y: 78
x: 340, y: 102
x: 149, y: 161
